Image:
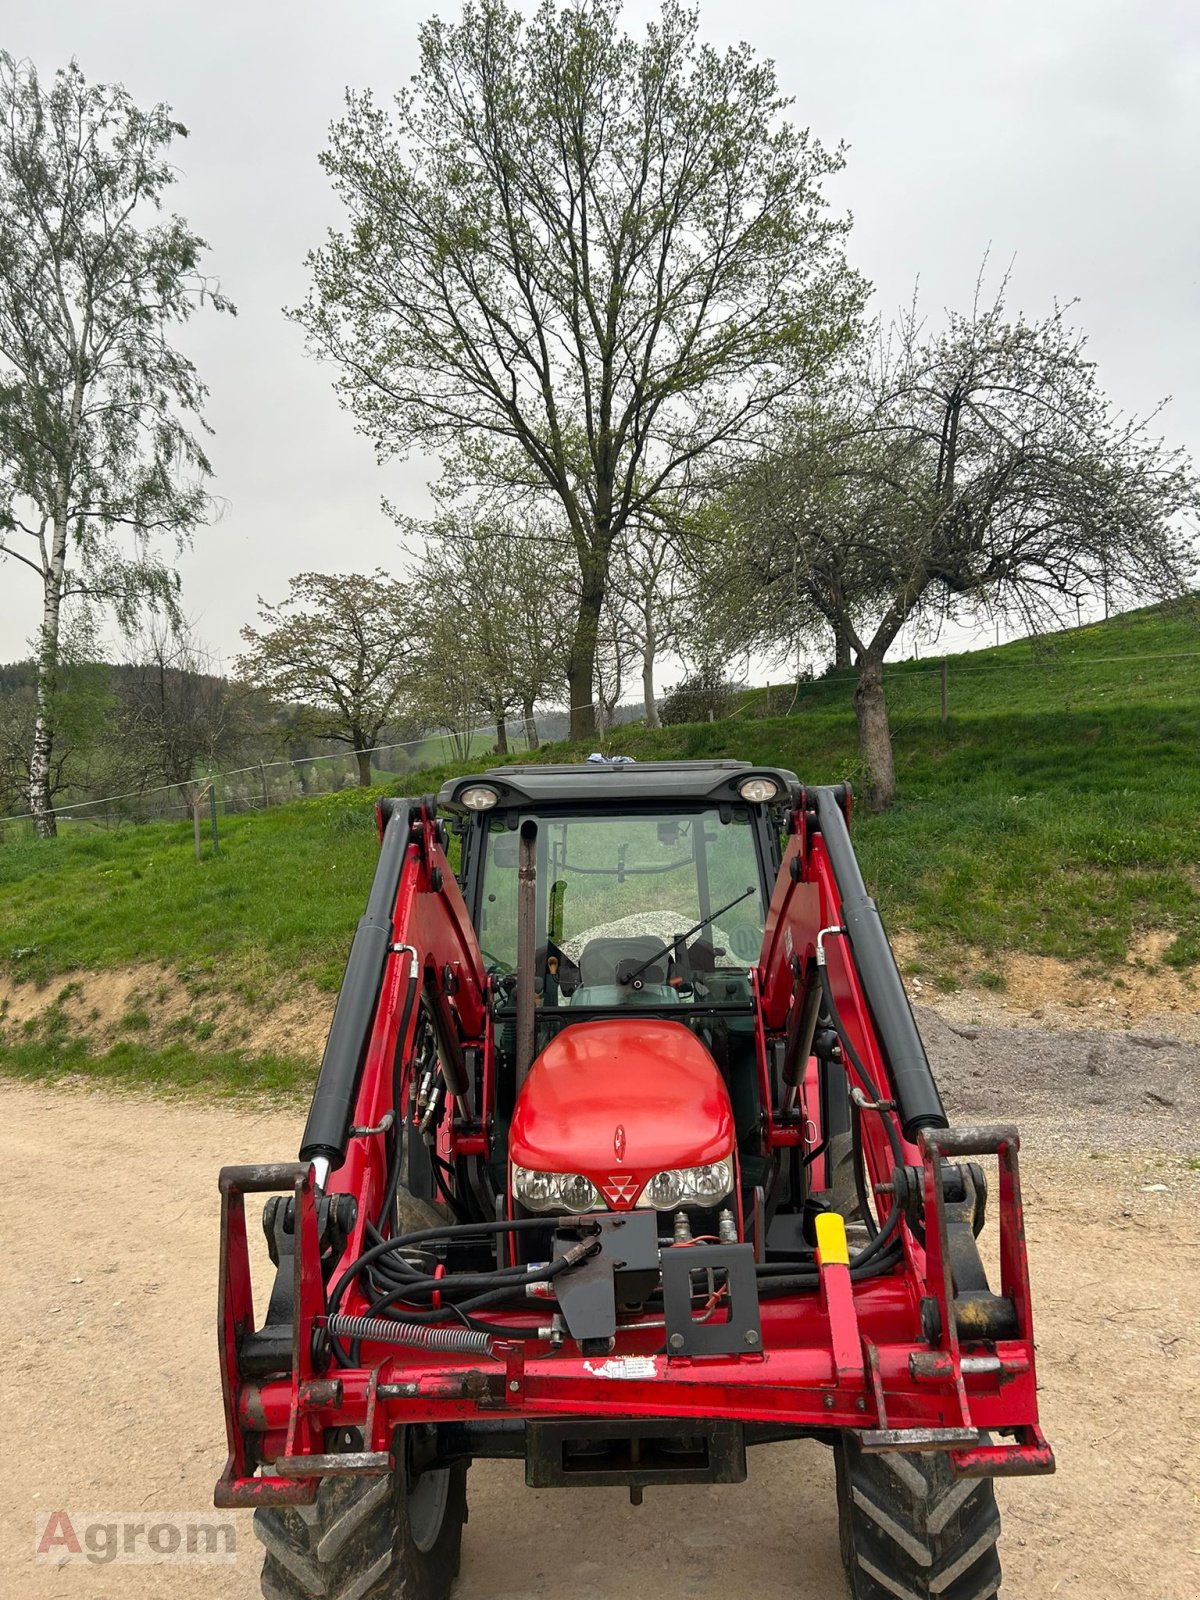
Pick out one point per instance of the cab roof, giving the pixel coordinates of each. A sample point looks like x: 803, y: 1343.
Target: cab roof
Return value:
x: 644, y: 782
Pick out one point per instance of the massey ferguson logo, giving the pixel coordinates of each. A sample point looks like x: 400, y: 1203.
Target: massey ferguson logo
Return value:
x: 619, y: 1142
x: 620, y: 1189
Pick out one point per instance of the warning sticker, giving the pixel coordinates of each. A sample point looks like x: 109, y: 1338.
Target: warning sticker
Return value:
x: 623, y: 1367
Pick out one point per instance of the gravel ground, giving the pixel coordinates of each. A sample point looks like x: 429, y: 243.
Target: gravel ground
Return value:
x: 110, y: 1391
x: 1123, y: 1088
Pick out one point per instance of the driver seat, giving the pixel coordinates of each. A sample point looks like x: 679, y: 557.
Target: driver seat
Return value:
x: 601, y: 960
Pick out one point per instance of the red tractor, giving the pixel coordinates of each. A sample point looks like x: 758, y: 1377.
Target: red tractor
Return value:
x: 625, y: 1155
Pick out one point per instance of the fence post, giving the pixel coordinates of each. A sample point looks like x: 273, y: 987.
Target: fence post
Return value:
x: 945, y: 697
x: 196, y: 824
x: 262, y: 774
x: 212, y: 811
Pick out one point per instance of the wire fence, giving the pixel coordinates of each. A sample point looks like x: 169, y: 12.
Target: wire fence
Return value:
x: 1042, y: 683
x: 267, y: 783
x: 1047, y: 681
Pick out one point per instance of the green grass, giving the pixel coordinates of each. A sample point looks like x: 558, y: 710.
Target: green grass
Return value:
x: 175, y: 1067
x: 1022, y: 825
x: 281, y: 899
x: 1151, y: 656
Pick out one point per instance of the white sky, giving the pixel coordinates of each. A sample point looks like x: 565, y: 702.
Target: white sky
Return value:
x: 1064, y: 134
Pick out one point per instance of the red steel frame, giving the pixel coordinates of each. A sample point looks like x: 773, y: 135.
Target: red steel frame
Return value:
x: 851, y: 1356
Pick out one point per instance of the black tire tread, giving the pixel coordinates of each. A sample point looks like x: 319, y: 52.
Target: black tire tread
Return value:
x: 911, y: 1530
x: 351, y: 1544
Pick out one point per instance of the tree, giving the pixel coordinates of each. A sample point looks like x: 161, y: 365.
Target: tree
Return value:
x: 976, y: 466
x: 175, y: 707
x: 450, y: 675
x: 510, y: 596
x: 340, y: 648
x: 616, y: 651
x: 648, y: 577
x: 94, y: 398
x: 577, y: 264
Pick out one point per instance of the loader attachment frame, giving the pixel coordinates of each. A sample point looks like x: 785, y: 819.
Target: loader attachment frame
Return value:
x: 900, y: 1341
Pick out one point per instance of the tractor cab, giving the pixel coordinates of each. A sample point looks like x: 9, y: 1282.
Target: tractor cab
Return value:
x: 620, y: 915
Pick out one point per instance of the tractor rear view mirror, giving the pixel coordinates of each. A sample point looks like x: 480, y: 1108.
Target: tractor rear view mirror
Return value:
x: 504, y: 853
x: 668, y: 833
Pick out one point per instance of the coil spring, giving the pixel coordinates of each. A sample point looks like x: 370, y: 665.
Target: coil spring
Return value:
x: 382, y: 1330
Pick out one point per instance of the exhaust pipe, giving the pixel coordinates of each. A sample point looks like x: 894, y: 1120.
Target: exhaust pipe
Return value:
x: 526, y: 945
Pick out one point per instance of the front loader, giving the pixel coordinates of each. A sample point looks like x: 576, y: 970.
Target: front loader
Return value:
x: 624, y: 1157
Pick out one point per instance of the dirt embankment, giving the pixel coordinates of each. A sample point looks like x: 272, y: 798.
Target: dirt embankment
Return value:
x: 1143, y: 999
x: 161, y: 1007
x: 1014, y: 988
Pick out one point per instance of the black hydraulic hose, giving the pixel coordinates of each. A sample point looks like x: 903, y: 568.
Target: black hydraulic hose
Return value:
x: 508, y: 1297
x: 328, y: 1127
x: 485, y: 1282
x: 401, y: 1131
x: 856, y: 1060
x: 464, y: 1230
x: 860, y: 1175
x: 916, y: 1092
x: 439, y: 1177
x: 799, y: 1282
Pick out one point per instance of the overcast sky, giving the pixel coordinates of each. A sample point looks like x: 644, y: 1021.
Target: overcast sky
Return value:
x: 1065, y: 133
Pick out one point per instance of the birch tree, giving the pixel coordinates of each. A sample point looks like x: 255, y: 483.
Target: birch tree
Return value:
x: 99, y: 462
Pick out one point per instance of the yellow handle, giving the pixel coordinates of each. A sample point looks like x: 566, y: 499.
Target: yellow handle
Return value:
x: 832, y: 1247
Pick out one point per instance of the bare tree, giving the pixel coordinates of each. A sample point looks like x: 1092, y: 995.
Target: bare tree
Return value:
x: 340, y: 648
x: 978, y: 465
x: 507, y: 584
x: 649, y: 578
x: 176, y: 707
x: 575, y: 263
x: 93, y: 395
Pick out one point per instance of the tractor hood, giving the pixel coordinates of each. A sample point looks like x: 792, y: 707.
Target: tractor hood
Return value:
x: 619, y: 1100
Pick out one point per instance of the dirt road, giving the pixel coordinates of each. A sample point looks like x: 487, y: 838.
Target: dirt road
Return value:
x: 109, y: 1387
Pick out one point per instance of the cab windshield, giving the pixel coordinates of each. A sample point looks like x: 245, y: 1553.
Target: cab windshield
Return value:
x: 653, y: 909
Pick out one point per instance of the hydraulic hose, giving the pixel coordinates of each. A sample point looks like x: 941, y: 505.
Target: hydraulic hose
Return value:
x: 401, y: 1132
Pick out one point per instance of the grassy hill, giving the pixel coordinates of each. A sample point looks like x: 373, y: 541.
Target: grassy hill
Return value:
x: 1055, y: 813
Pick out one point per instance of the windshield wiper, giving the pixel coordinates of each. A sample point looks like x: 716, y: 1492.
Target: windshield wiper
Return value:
x: 681, y: 938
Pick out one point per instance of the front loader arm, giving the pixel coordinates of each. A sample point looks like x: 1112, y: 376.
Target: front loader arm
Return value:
x: 414, y: 942
x: 826, y: 960
x: 415, y: 933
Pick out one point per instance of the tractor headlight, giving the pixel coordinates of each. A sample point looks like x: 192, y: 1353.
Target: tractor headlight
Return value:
x: 479, y: 797
x: 554, y: 1191
x: 757, y: 791
x: 697, y: 1186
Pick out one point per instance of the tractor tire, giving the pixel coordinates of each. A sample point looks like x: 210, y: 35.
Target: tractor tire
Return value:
x: 367, y: 1538
x: 843, y: 1196
x: 414, y: 1214
x: 911, y: 1530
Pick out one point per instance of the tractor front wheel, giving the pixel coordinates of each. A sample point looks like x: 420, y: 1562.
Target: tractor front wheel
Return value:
x: 911, y: 1530
x: 388, y: 1538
